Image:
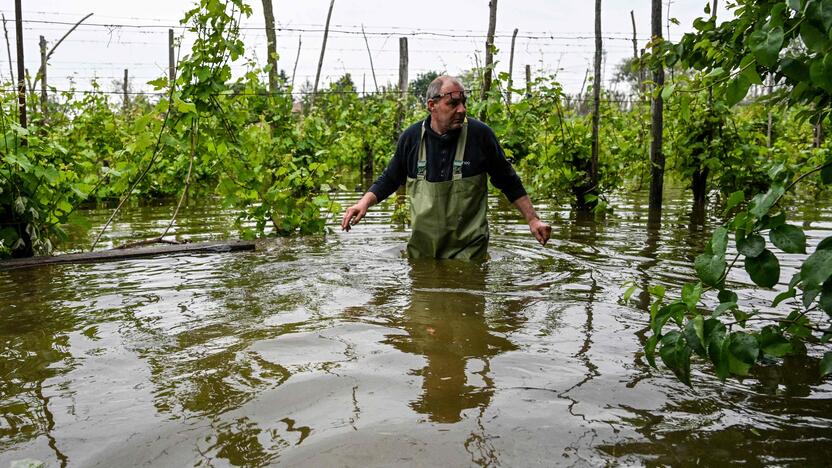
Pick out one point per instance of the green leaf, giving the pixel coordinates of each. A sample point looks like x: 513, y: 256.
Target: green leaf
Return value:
x: 817, y: 268
x: 735, y: 199
x: 814, y: 38
x: 820, y: 74
x: 744, y: 347
x: 736, y: 89
x: 825, y: 301
x: 788, y: 294
x: 765, y: 44
x: 675, y: 354
x: 710, y: 268
x: 668, y: 90
x: 694, y: 332
x: 629, y: 292
x: 752, y: 245
x: 159, y: 83
x: 725, y: 295
x: 789, y: 239
x: 794, y: 69
x: 721, y: 308
x: 80, y: 221
x: 825, y: 244
x: 826, y: 364
x: 664, y: 314
x: 764, y: 269
x: 773, y: 343
x: 691, y: 292
x: 762, y: 203
x: 819, y: 12
x: 650, y: 349
x: 719, y: 240
x: 826, y: 172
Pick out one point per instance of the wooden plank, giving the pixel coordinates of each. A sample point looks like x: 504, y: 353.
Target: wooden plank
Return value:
x: 120, y: 254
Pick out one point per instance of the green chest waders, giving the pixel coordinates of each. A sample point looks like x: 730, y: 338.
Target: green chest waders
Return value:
x: 448, y: 219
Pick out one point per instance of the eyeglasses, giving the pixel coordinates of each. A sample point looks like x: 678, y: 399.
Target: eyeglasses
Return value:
x: 456, y: 97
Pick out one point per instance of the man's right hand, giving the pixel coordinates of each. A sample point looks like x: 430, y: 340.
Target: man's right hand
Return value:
x: 355, y: 213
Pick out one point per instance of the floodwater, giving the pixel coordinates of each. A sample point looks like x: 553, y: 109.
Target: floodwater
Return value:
x: 338, y: 351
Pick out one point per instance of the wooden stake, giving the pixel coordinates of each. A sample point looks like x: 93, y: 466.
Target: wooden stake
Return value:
x: 323, y: 49
x: 42, y: 44
x: 528, y: 81
x: 271, y: 45
x: 21, y: 72
x: 372, y: 69
x: 124, y: 90
x: 596, y: 99
x: 8, y: 49
x: 171, y: 60
x: 511, y: 67
x: 657, y: 121
x: 489, y: 54
x: 403, y: 60
x: 297, y: 57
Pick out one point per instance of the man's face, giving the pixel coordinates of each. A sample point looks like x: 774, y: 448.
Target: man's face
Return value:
x: 448, y: 109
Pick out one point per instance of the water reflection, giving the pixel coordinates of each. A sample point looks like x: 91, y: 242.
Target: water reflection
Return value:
x: 446, y: 324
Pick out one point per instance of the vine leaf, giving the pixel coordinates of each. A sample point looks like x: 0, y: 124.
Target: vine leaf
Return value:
x: 751, y: 246
x: 826, y: 363
x: 765, y: 44
x: 817, y: 268
x: 710, y: 268
x: 764, y: 269
x: 675, y: 354
x: 788, y: 238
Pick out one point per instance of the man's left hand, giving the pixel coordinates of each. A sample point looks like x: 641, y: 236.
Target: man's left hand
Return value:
x: 541, y: 230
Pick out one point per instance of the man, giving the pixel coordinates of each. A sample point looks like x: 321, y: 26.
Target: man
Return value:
x: 444, y: 160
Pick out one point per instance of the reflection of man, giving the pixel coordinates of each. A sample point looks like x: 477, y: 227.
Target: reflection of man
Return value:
x: 445, y: 323
x: 444, y: 159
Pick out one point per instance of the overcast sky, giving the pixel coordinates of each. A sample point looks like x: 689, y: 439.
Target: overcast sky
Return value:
x: 554, y: 35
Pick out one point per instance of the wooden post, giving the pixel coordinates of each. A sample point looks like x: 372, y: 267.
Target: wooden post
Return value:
x: 171, y: 64
x: 657, y: 124
x: 511, y: 67
x: 403, y: 60
x: 635, y: 55
x: 297, y: 57
x: 489, y: 54
x: 8, y: 50
x: 42, y: 44
x: 271, y: 45
x: 21, y: 72
x: 372, y: 69
x: 323, y: 49
x: 528, y: 81
x: 596, y: 100
x: 124, y: 90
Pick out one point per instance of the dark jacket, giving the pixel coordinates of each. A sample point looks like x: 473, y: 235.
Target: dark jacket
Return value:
x: 482, y: 154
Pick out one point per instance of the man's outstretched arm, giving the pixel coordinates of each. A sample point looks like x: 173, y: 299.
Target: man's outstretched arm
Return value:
x: 355, y: 213
x: 541, y: 230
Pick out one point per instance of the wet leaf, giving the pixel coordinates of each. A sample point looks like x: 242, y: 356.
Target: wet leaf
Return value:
x: 817, y: 268
x: 788, y: 238
x: 826, y: 364
x: 710, y: 268
x: 752, y: 245
x: 764, y: 269
x: 676, y: 355
x: 691, y: 292
x: 773, y: 343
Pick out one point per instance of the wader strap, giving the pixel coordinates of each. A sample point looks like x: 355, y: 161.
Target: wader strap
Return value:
x: 421, y: 164
x: 460, y: 150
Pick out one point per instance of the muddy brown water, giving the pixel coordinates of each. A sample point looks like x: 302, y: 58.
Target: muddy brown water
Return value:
x: 338, y: 351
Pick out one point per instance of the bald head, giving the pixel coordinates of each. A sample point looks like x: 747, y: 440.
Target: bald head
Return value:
x: 435, y: 86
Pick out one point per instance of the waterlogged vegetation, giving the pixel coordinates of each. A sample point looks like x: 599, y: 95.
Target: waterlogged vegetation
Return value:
x: 745, y: 115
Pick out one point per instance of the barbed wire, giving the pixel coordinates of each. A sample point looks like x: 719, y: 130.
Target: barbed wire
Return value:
x: 394, y: 92
x: 405, y: 32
